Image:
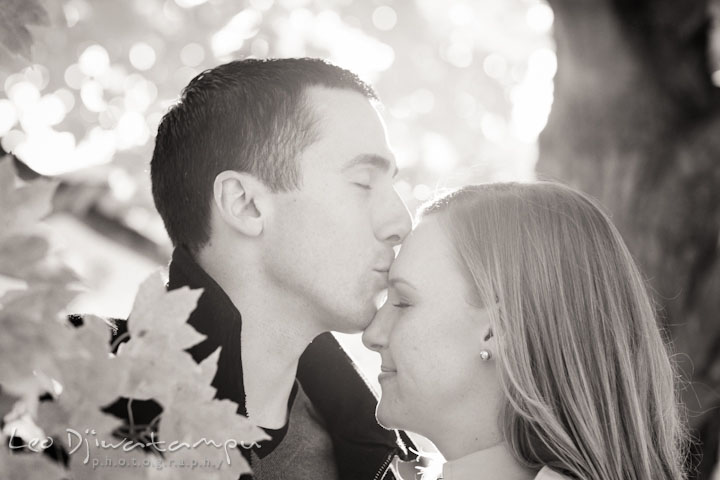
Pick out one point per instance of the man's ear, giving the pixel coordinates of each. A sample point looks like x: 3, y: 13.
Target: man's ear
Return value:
x: 241, y: 200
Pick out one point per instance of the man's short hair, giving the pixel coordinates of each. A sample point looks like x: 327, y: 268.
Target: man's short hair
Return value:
x: 247, y: 115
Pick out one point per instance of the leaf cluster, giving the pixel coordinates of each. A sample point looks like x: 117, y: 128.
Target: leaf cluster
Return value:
x: 56, y: 377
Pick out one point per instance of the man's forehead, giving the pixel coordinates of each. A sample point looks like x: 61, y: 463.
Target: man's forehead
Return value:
x: 351, y: 131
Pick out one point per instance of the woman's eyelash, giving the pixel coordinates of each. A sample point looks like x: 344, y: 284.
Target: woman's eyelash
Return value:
x: 362, y: 185
x: 401, y: 305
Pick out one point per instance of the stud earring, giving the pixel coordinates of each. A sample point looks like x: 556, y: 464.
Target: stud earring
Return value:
x: 485, y: 355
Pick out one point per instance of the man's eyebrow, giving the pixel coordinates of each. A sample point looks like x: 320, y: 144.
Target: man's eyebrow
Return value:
x: 372, y: 160
x: 396, y: 280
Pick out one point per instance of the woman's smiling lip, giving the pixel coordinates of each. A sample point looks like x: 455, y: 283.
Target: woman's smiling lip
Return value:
x: 386, y: 372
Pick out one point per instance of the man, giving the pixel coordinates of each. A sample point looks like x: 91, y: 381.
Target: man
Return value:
x: 275, y: 182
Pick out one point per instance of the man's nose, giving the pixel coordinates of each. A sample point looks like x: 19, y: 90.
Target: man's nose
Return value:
x: 376, y: 334
x: 395, y: 222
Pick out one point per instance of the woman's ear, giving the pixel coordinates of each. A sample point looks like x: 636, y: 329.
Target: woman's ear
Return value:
x: 240, y: 199
x: 488, y: 335
x: 488, y: 343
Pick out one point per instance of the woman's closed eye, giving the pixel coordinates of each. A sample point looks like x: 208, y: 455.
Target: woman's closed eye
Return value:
x: 400, y: 304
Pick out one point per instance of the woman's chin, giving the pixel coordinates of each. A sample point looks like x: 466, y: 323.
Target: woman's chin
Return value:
x: 388, y: 419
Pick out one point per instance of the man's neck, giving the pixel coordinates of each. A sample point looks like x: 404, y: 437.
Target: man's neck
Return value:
x: 275, y: 333
x: 271, y: 345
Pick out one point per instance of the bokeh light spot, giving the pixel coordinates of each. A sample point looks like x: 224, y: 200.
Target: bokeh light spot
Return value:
x: 76, y: 11
x: 38, y: 75
x: 459, y: 54
x: 12, y: 139
x: 51, y: 109
x: 542, y: 64
x: 66, y: 97
x: 142, y: 56
x: 495, y: 66
x: 47, y: 151
x: 189, y: 3
x: 131, y: 130
x: 94, y: 60
x: 23, y: 94
x: 73, y: 76
x: 540, y: 17
x: 91, y: 94
x: 139, y: 94
x: 232, y: 36
x: 384, y: 18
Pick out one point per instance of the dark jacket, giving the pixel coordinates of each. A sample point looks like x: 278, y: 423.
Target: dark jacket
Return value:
x: 362, y: 448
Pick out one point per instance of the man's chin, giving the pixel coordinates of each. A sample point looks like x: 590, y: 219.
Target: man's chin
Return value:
x: 351, y: 318
x: 354, y: 325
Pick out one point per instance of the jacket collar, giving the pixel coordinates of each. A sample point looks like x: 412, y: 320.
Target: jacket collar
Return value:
x: 329, y: 378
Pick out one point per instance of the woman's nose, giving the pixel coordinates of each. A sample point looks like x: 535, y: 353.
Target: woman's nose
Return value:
x: 375, y: 335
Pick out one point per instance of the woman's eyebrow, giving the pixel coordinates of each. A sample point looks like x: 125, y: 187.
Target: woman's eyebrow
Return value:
x: 396, y: 280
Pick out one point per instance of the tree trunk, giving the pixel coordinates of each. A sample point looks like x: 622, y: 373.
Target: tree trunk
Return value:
x: 636, y: 124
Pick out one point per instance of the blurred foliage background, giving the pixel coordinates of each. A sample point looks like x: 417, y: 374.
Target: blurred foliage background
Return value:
x: 467, y: 88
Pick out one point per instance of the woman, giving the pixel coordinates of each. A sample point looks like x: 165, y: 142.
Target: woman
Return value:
x: 518, y: 337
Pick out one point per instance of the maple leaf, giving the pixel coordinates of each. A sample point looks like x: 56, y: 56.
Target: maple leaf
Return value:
x: 40, y: 304
x: 159, y: 318
x: 29, y: 466
x: 29, y: 352
x: 35, y: 336
x: 91, y: 363
x: 80, y: 428
x: 22, y: 203
x: 159, y: 334
x: 15, y: 15
x: 41, y: 352
x: 161, y: 369
x: 216, y: 423
x: 25, y: 257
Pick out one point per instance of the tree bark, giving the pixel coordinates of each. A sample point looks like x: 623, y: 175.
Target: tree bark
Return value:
x: 636, y: 124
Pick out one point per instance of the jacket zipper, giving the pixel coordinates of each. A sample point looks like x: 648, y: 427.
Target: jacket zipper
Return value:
x: 384, y: 467
x: 250, y: 462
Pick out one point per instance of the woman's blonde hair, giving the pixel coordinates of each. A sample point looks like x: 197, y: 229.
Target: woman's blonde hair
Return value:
x: 589, y: 384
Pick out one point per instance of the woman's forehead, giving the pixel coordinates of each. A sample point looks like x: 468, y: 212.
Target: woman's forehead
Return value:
x: 426, y: 254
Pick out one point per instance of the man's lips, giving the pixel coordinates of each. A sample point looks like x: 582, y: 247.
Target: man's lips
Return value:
x: 386, y: 369
x: 383, y: 264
